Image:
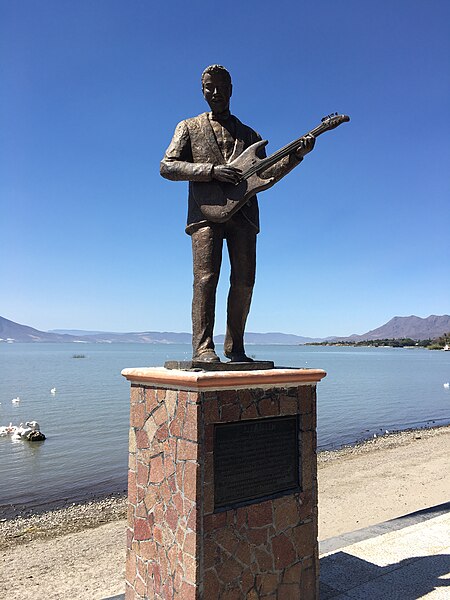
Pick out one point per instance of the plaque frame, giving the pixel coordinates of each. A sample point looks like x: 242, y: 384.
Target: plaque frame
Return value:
x: 224, y: 502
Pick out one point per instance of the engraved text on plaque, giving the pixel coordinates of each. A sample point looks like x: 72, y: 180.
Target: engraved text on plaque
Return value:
x: 255, y: 459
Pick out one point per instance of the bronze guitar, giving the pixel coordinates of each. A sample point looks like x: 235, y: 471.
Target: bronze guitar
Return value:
x: 219, y: 201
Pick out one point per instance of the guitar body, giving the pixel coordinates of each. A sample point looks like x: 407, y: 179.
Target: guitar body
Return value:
x: 219, y: 201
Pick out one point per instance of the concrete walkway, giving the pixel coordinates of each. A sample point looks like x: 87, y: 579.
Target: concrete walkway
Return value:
x: 403, y: 559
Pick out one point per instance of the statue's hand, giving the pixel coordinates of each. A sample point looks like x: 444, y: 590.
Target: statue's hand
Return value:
x: 306, y: 146
x: 226, y: 174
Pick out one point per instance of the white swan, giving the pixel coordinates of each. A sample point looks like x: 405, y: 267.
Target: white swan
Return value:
x: 31, y: 431
x: 33, y: 425
x: 447, y: 385
x: 53, y: 391
x: 17, y: 433
x: 15, y: 400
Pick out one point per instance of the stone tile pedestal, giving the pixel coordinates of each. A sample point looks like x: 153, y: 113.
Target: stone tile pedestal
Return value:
x: 180, y: 545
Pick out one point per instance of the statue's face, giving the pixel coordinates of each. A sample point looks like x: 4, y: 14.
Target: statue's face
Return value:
x: 217, y: 92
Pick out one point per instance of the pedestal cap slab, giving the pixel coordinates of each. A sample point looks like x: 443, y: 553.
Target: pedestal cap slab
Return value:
x: 222, y: 380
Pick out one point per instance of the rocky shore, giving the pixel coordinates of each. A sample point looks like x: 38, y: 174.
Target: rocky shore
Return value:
x: 52, y: 523
x: 27, y: 525
x: 381, y: 442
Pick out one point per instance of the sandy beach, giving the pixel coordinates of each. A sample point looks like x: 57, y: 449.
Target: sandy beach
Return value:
x: 78, y: 552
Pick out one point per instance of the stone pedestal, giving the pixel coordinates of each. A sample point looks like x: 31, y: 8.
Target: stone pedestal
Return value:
x: 189, y: 539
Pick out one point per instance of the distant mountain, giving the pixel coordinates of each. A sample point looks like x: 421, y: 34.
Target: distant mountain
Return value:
x: 22, y: 333
x: 76, y: 332
x: 10, y: 331
x: 412, y: 327
x: 144, y: 337
x: 157, y: 337
x: 273, y: 338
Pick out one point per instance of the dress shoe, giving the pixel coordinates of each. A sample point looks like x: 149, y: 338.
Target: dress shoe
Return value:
x: 208, y: 356
x: 238, y: 357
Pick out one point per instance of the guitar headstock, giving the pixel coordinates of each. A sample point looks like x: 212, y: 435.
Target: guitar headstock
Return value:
x: 334, y: 120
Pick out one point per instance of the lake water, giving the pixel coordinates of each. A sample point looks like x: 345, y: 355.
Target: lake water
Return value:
x: 366, y: 391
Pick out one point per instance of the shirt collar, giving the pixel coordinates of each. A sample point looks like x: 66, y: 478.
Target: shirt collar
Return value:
x: 222, y: 117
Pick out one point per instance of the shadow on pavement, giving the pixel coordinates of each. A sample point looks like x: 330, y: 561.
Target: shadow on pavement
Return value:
x: 345, y: 576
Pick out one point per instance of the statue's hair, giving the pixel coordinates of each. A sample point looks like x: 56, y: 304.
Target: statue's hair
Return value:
x: 216, y: 70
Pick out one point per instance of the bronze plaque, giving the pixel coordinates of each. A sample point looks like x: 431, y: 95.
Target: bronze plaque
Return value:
x: 255, y: 460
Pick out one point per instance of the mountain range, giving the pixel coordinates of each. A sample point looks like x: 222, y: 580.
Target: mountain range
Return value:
x: 413, y: 327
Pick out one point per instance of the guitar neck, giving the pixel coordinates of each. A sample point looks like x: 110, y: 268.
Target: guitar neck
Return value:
x: 265, y: 163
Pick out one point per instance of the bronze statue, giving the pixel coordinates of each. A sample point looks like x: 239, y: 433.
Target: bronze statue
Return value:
x: 200, y: 152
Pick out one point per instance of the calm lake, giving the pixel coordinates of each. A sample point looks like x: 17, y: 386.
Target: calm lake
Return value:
x: 367, y: 391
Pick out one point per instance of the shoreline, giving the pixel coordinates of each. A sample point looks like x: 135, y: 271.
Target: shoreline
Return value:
x: 25, y: 509
x: 101, y: 495
x: 50, y: 523
x: 21, y: 525
x: 392, y: 439
x: 79, y: 551
x: 382, y: 479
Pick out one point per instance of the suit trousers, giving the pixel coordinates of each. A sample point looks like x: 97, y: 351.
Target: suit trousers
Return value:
x: 207, y: 245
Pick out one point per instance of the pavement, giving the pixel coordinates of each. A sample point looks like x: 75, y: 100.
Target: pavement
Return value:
x: 403, y: 559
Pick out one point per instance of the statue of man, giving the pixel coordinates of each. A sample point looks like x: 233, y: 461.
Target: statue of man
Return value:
x: 200, y: 150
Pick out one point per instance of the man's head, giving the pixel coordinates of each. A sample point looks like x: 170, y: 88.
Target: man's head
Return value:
x: 217, y: 88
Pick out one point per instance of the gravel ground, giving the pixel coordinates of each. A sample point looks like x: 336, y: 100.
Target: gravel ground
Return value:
x: 53, y: 523
x: 382, y: 442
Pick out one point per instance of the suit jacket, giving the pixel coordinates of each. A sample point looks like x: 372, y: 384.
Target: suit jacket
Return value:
x: 194, y: 151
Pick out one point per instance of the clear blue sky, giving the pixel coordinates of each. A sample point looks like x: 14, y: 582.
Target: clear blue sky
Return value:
x: 93, y: 238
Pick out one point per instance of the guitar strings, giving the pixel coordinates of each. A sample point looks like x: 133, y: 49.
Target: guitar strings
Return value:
x: 279, y: 154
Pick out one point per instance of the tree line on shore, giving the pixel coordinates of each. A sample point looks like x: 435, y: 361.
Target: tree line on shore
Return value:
x: 431, y: 344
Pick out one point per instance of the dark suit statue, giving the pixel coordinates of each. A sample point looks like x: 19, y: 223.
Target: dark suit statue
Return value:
x: 200, y: 150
